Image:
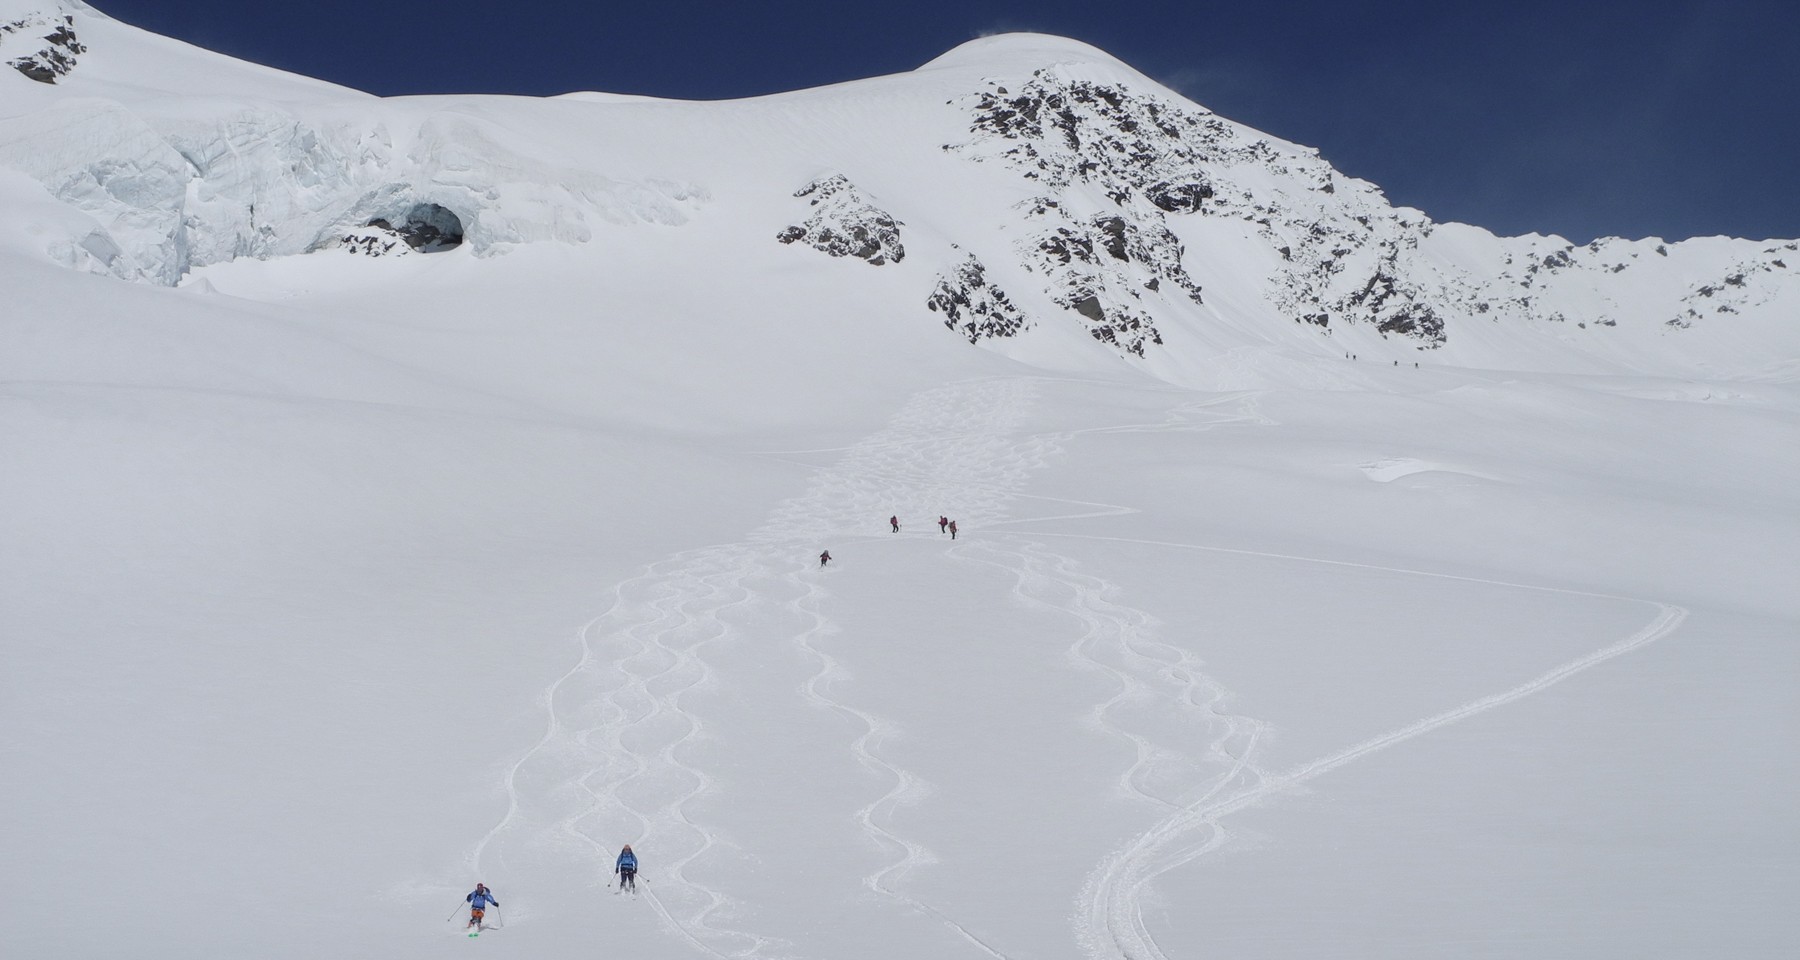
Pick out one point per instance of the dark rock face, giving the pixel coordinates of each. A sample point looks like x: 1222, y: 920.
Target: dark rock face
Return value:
x: 426, y: 227
x: 1342, y: 257
x: 57, y: 47
x: 1183, y: 197
x: 1103, y: 268
x: 1142, y: 159
x: 1150, y: 160
x: 845, y: 224
x: 974, y: 307
x: 1130, y: 146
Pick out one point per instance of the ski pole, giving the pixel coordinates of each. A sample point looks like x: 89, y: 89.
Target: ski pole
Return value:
x: 453, y: 914
x: 500, y: 921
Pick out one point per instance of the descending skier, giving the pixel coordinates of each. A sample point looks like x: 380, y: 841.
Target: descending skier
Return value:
x: 824, y: 558
x: 478, y: 902
x: 626, y: 868
x: 894, y: 521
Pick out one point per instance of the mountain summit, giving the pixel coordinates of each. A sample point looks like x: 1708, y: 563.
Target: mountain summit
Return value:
x: 1063, y: 192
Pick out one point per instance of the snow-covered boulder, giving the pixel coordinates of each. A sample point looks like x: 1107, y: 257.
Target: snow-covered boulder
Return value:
x: 843, y: 223
x: 41, y: 44
x: 973, y: 306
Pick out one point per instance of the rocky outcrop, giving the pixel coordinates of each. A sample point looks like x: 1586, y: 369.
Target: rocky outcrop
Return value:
x: 1345, y: 258
x: 371, y: 241
x: 1139, y: 159
x: 1748, y: 284
x: 426, y: 227
x: 51, y: 45
x: 972, y: 306
x: 844, y: 223
x: 1151, y: 158
x: 1107, y: 268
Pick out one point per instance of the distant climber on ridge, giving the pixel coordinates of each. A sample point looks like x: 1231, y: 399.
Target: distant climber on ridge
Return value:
x: 894, y: 521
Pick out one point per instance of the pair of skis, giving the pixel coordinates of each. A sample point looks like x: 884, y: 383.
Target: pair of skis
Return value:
x: 475, y: 928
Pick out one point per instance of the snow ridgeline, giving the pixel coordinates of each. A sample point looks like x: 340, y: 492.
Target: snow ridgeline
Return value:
x: 1135, y: 200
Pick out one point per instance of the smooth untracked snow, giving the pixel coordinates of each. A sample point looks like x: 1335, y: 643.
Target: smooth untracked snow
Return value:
x: 332, y: 585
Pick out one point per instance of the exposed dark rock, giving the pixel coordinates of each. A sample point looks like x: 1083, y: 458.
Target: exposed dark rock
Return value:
x: 1414, y: 320
x: 974, y: 307
x: 426, y: 227
x: 1186, y: 197
x: 373, y: 242
x: 56, y: 52
x: 1147, y: 157
x: 844, y: 224
x: 1089, y: 307
x: 1112, y: 233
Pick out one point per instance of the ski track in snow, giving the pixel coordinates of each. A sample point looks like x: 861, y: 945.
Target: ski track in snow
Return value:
x: 951, y: 445
x: 610, y: 761
x: 1110, y: 923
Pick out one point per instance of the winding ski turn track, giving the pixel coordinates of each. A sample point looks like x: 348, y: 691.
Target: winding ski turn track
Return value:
x: 612, y: 760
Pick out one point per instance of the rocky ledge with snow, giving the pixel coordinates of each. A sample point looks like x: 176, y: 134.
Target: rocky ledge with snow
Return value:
x: 47, y: 46
x: 843, y: 223
x: 1133, y: 162
x: 972, y: 306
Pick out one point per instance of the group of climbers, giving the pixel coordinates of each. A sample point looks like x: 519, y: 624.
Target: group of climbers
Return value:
x: 626, y: 866
x: 945, y: 525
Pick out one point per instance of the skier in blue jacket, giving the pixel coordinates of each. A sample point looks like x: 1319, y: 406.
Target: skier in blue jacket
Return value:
x: 478, y: 902
x: 626, y: 868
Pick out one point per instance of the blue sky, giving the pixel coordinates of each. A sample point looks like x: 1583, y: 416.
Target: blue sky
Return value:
x: 1669, y: 118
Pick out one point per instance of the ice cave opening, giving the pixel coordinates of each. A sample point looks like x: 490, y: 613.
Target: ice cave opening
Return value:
x: 427, y: 227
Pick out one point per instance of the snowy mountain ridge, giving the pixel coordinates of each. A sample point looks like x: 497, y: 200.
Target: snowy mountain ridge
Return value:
x: 1130, y: 209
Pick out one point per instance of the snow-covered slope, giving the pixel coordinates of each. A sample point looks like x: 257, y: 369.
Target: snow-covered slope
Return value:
x: 346, y: 564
